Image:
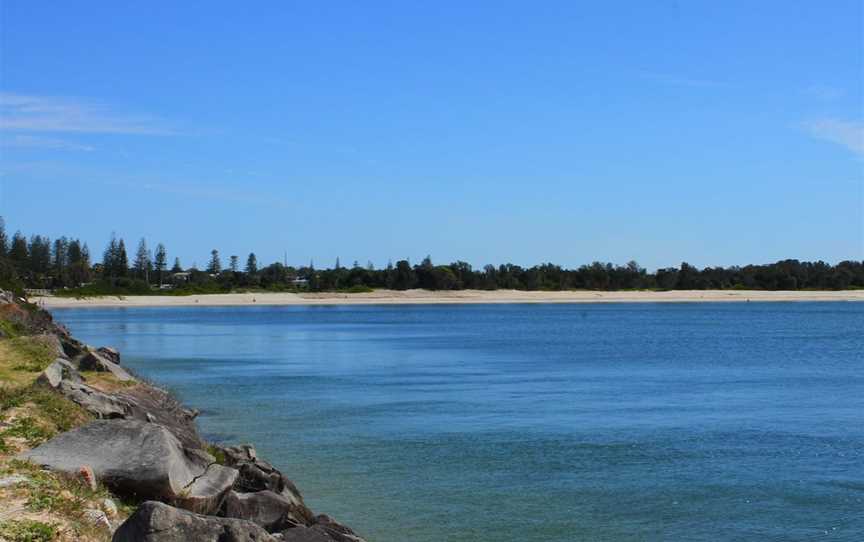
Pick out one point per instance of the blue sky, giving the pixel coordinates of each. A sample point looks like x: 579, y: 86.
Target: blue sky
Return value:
x: 716, y: 133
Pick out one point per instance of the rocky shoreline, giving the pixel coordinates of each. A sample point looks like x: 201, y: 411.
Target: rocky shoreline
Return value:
x: 144, y: 447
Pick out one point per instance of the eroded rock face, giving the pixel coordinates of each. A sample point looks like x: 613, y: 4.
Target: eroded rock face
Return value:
x: 109, y: 353
x: 66, y: 380
x: 304, y: 534
x: 102, y: 405
x: 265, y: 508
x: 92, y: 360
x: 257, y: 475
x: 158, y: 406
x: 57, y: 372
x: 326, y: 530
x: 143, y: 403
x: 336, y: 530
x: 141, y: 460
x: 158, y: 522
x: 71, y: 347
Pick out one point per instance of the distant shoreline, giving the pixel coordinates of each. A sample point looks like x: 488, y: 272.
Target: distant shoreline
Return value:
x: 426, y: 297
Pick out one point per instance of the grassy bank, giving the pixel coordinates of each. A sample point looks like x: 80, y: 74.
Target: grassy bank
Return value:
x: 39, y: 505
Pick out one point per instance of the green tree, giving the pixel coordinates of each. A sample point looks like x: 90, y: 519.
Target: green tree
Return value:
x: 40, y: 256
x: 235, y: 264
x: 177, y: 268
x: 687, y: 277
x: 115, y: 263
x: 160, y: 261
x: 60, y: 264
x: 215, y: 265
x: 4, y: 241
x: 122, y: 261
x: 18, y: 252
x: 251, y: 264
x: 404, y: 278
x: 79, y: 263
x: 143, y: 261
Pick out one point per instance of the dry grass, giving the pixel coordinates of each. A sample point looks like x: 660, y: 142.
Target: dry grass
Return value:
x: 54, y: 499
x: 47, y: 505
x: 106, y: 382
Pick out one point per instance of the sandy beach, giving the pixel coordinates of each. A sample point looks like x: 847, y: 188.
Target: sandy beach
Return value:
x: 444, y: 297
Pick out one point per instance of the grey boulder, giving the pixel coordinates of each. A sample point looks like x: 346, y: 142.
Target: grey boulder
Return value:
x: 158, y: 522
x: 258, y: 476
x: 265, y: 508
x: 148, y: 403
x: 57, y: 372
x: 326, y: 531
x: 92, y: 360
x: 304, y: 534
x: 66, y: 380
x: 102, y: 405
x: 140, y: 460
x: 109, y: 353
x: 143, y: 402
x: 72, y: 347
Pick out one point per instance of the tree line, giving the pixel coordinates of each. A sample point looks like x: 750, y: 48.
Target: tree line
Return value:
x: 65, y: 264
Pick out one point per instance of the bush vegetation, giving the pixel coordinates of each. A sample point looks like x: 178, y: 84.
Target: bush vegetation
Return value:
x: 27, y: 530
x: 65, y: 266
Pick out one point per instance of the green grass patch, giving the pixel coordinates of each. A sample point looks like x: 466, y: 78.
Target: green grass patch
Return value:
x: 60, y: 412
x: 217, y: 453
x: 50, y: 491
x: 27, y: 530
x: 106, y: 381
x: 53, y: 410
x: 31, y: 354
x: 11, y: 329
x: 30, y: 430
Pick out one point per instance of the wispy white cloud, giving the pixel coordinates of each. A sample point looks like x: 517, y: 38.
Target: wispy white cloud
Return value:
x: 849, y: 134
x: 39, y: 142
x: 22, y: 113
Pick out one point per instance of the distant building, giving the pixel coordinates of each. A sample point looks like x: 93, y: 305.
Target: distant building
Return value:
x: 180, y: 277
x: 299, y: 283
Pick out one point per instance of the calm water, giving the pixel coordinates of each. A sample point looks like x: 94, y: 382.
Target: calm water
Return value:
x: 532, y: 422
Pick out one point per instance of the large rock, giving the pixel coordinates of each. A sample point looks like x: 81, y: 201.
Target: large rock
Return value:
x: 102, y: 405
x: 72, y: 347
x: 265, y: 508
x: 158, y: 522
x: 257, y: 475
x: 335, y: 530
x: 143, y: 402
x: 66, y: 380
x: 304, y: 534
x: 57, y: 372
x: 109, y: 353
x: 140, y: 460
x: 326, y: 531
x: 94, y: 361
x: 148, y: 403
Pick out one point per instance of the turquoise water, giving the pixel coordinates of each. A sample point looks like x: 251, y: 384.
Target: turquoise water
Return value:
x: 532, y: 423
